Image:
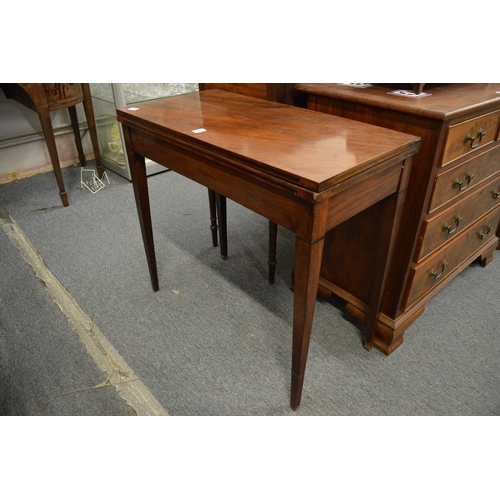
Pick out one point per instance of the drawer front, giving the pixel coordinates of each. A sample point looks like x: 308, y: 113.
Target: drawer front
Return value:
x: 459, y: 180
x: 447, y: 225
x: 431, y: 272
x: 471, y: 135
x: 60, y: 94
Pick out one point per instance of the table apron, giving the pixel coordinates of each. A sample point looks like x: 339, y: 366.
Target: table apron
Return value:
x: 286, y: 204
x: 273, y: 198
x: 365, y: 190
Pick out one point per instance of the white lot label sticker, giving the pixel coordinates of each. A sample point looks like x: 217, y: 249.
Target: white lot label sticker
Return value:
x: 198, y: 130
x: 409, y: 93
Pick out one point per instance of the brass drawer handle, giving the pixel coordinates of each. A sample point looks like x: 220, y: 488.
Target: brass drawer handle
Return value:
x: 460, y: 184
x: 479, y: 136
x: 496, y: 194
x: 486, y: 231
x: 448, y: 227
x: 435, y: 274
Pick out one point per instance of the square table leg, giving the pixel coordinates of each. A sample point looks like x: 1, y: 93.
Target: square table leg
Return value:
x: 48, y: 133
x: 305, y: 285
x: 137, y: 164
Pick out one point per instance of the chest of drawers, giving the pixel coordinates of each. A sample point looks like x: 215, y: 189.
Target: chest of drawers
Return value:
x: 452, y: 209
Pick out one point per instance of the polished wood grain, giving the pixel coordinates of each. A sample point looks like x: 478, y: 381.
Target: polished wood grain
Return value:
x: 470, y: 135
x: 304, y: 170
x: 448, y: 223
x: 442, y: 166
x: 457, y: 182
x: 438, y: 267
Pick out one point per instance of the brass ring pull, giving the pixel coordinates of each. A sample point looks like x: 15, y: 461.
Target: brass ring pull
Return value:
x: 460, y: 184
x: 496, y: 194
x: 479, y: 136
x: 448, y: 227
x: 435, y: 274
x: 486, y: 231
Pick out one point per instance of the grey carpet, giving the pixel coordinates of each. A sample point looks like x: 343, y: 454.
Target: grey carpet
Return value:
x: 44, y: 369
x: 216, y: 338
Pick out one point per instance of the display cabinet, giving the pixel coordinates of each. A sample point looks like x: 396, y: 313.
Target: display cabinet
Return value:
x: 106, y: 98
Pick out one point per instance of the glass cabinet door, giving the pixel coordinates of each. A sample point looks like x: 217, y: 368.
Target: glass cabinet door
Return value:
x: 106, y: 97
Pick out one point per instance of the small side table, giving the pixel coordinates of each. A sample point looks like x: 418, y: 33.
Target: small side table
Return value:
x: 46, y: 97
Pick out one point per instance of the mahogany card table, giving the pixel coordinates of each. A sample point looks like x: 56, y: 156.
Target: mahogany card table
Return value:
x: 304, y: 170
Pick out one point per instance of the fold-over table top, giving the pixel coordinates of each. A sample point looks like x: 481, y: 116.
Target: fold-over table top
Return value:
x: 309, y: 149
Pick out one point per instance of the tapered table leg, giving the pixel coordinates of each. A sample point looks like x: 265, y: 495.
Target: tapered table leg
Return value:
x: 48, y: 132
x: 137, y: 165
x: 386, y: 240
x: 306, y: 276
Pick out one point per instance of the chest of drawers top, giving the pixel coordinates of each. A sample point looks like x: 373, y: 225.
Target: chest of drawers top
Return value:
x: 445, y: 102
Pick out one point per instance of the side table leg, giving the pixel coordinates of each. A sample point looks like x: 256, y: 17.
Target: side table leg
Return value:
x: 213, y: 216
x: 386, y: 240
x: 221, y: 203
x: 306, y: 277
x: 51, y: 145
x: 273, y: 235
x: 137, y: 165
x: 76, y: 131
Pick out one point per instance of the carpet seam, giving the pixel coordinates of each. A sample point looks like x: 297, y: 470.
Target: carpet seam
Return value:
x: 127, y: 385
